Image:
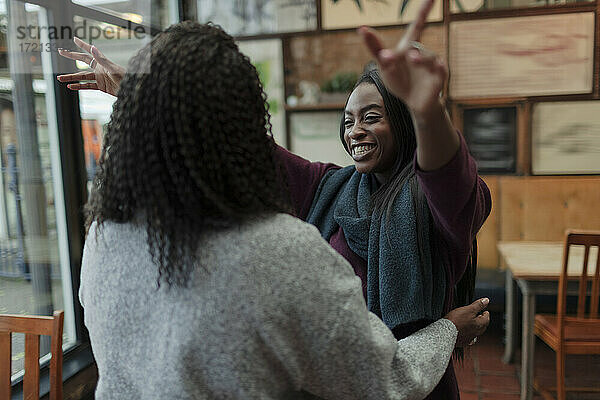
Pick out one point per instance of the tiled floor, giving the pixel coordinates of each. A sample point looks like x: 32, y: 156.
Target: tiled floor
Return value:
x: 483, y: 375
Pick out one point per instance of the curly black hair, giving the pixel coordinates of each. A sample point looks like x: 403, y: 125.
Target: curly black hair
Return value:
x: 188, y: 148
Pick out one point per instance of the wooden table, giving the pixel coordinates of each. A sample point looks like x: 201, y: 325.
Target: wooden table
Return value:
x: 535, y: 267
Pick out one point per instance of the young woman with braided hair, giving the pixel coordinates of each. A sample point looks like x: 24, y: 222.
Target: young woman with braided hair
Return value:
x: 198, y: 170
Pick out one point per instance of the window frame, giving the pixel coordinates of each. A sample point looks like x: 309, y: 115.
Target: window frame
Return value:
x: 74, y: 174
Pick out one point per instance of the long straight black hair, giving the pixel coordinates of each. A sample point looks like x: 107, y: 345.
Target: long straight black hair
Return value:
x: 403, y: 173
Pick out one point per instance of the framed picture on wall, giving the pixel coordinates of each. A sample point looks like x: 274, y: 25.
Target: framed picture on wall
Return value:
x: 491, y: 136
x: 522, y: 56
x: 315, y: 135
x: 566, y: 138
x: 465, y: 6
x: 256, y: 17
x: 338, y: 14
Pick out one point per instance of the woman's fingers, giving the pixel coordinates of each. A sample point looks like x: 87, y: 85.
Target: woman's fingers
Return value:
x: 371, y: 40
x: 83, y: 86
x: 471, y: 321
x: 104, y: 61
x: 377, y: 49
x: 385, y: 57
x: 479, y: 305
x: 97, y: 54
x: 104, y: 71
x: 483, y: 321
x: 427, y: 59
x: 86, y: 58
x: 421, y: 56
x: 416, y: 28
x: 76, y: 77
x: 83, y: 45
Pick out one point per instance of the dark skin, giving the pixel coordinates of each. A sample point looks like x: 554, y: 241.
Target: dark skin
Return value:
x: 368, y: 134
x: 470, y: 320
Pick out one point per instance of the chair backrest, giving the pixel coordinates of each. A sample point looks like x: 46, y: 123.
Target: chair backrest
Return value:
x: 588, y: 239
x: 32, y: 327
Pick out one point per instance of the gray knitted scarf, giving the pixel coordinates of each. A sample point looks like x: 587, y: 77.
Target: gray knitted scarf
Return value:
x: 400, y: 288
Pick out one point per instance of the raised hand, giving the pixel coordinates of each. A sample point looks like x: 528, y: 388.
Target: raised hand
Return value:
x: 471, y: 321
x: 411, y: 72
x: 104, y: 75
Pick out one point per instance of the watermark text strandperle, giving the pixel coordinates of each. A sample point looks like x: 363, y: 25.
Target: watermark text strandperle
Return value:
x: 85, y: 32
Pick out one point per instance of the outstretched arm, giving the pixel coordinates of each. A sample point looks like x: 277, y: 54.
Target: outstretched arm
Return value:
x: 417, y: 76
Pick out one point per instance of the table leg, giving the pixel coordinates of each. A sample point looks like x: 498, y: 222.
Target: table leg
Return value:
x: 528, y: 341
x: 510, y: 330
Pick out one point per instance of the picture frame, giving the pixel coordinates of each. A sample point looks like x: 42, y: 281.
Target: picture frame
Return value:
x: 522, y: 56
x: 491, y: 135
x: 566, y: 138
x: 352, y: 14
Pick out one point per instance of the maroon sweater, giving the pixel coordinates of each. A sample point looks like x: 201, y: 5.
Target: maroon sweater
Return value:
x: 459, y: 201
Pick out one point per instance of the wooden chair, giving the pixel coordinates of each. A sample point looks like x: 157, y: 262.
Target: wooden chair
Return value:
x: 32, y: 327
x: 578, y: 334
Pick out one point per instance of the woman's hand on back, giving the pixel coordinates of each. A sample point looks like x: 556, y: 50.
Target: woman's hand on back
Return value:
x: 104, y: 75
x: 471, y: 321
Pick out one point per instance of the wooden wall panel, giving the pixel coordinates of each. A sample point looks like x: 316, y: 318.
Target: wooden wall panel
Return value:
x: 318, y: 58
x: 511, y: 208
x: 524, y: 138
x: 544, y: 210
x: 582, y: 203
x: 488, y: 235
x: 537, y: 209
x: 541, y: 209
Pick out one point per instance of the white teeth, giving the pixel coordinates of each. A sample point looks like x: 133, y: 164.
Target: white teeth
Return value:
x: 362, y: 149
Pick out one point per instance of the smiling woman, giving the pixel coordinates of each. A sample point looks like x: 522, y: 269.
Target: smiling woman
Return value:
x: 408, y: 233
x: 366, y: 132
x: 406, y: 214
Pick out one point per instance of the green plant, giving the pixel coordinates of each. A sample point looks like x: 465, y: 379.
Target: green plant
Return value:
x: 342, y: 82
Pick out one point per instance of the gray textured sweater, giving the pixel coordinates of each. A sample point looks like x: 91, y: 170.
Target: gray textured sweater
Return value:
x: 275, y: 313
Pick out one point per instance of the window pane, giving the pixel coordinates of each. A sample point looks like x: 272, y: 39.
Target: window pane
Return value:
x: 253, y: 17
x: 159, y: 13
x: 266, y: 55
x: 34, y: 256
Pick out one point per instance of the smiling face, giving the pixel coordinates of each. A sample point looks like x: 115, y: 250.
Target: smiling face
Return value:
x: 367, y: 132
